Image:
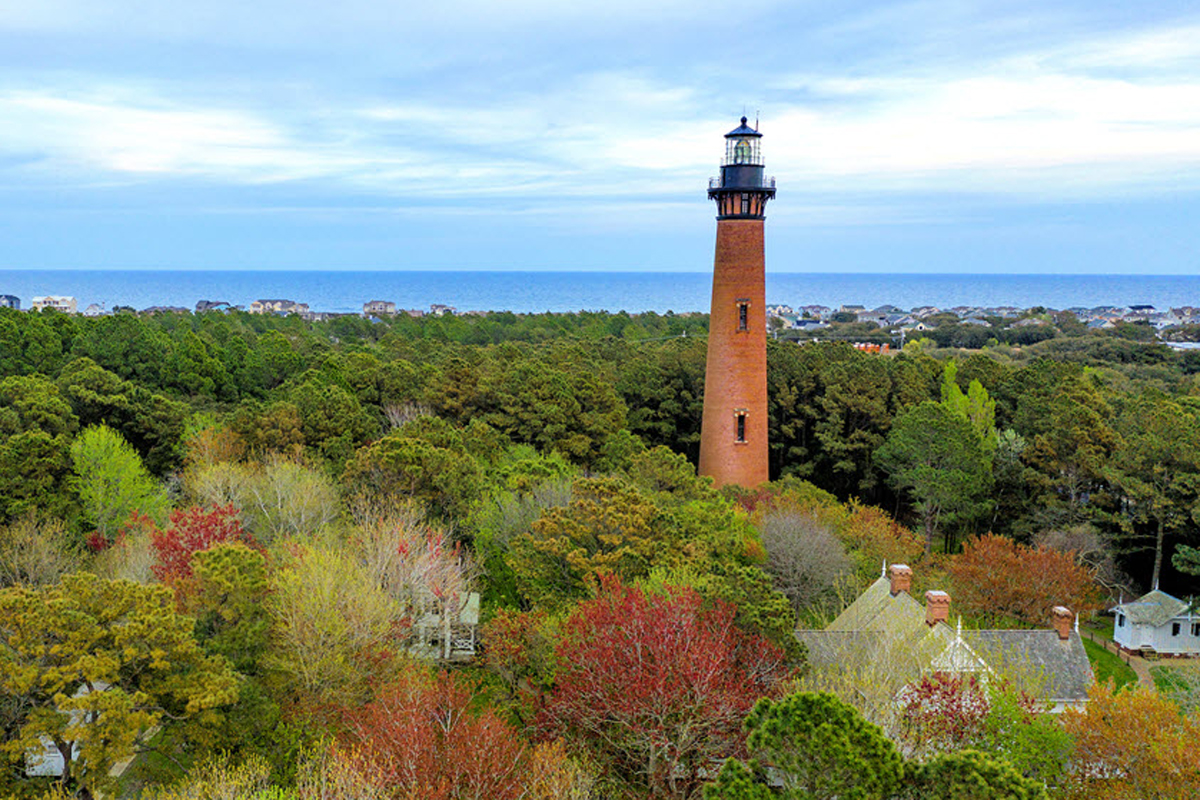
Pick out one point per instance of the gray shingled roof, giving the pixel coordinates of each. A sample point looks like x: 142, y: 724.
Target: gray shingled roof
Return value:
x: 1038, y: 660
x: 1153, y: 609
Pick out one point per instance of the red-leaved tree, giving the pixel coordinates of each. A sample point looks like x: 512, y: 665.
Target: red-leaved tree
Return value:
x: 190, y: 531
x: 419, y: 738
x: 998, y: 579
x: 656, y: 685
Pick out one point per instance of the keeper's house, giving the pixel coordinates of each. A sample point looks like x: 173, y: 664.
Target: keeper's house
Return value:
x: 1159, y: 623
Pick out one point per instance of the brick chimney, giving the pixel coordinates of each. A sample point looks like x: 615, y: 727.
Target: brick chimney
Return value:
x: 901, y: 577
x: 1061, y: 618
x: 937, y: 607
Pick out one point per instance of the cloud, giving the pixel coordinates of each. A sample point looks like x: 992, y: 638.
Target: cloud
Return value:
x: 1053, y: 122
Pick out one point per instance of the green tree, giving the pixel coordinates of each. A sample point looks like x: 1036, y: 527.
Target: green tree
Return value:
x: 818, y: 747
x: 1158, y: 471
x: 937, y: 456
x: 972, y: 775
x: 36, y: 426
x: 97, y: 666
x: 112, y: 483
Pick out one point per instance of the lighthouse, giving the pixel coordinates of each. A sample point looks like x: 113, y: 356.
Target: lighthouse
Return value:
x: 733, y: 431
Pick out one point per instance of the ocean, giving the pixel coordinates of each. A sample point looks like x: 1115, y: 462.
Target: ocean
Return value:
x: 593, y: 291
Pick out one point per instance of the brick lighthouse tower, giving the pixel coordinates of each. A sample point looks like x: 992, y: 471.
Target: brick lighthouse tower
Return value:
x: 733, y: 432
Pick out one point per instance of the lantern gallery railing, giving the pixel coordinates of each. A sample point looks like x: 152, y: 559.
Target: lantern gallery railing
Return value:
x: 715, y: 183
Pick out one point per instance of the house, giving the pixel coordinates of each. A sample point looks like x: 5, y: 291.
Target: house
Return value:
x: 975, y: 321
x: 10, y: 301
x: 152, y: 310
x: 210, y: 305
x: 66, y: 305
x: 439, y: 310
x: 1159, y: 623
x: 815, y: 311
x: 886, y: 626
x: 277, y: 307
x: 378, y: 307
x: 95, y: 310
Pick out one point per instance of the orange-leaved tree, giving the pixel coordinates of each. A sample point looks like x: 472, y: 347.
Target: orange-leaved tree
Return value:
x: 1133, y: 744
x: 656, y: 685
x: 999, y: 579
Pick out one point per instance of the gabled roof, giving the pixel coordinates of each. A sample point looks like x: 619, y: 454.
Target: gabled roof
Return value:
x: 1154, y: 608
x: 1059, y: 668
x: 877, y: 609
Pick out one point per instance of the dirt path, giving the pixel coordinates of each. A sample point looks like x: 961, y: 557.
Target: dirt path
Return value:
x: 1142, y: 667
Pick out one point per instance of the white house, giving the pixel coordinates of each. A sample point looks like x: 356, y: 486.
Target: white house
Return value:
x: 1159, y: 622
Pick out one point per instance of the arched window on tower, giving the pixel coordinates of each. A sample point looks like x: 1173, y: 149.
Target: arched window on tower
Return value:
x: 743, y: 308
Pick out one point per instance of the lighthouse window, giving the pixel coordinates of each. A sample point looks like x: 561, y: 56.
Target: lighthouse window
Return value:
x: 743, y: 316
x: 741, y: 426
x: 745, y: 204
x: 741, y: 152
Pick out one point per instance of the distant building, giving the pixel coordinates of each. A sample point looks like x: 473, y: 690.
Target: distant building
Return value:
x: 165, y: 310
x: 413, y: 312
x: 67, y: 305
x: 209, y: 305
x: 10, y: 301
x: 1159, y: 622
x: 439, y: 310
x: 95, y: 310
x: 378, y: 307
x: 277, y: 307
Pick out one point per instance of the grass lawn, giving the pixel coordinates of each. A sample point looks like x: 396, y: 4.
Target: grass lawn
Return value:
x: 1106, y: 664
x: 1179, y: 683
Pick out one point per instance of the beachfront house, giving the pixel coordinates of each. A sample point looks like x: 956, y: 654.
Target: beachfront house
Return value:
x: 1157, y: 623
x: 10, y: 301
x: 277, y: 307
x: 377, y: 308
x: 67, y: 305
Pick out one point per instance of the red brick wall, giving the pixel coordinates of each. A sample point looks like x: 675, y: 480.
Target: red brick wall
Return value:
x: 736, y: 373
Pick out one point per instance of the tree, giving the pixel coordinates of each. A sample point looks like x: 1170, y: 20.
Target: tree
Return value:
x: 818, y: 747
x: 606, y: 528
x: 36, y: 551
x: 936, y: 454
x: 419, y: 737
x: 805, y: 559
x: 191, y: 531
x: 427, y: 459
x: 36, y: 426
x: 98, y: 665
x: 972, y: 775
x: 332, y: 629
x: 655, y: 685
x: 112, y: 483
x: 1132, y: 743
x: 229, y: 602
x: 999, y: 579
x: 1158, y: 471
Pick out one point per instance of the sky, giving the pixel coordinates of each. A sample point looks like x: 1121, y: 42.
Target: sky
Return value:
x: 932, y: 137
